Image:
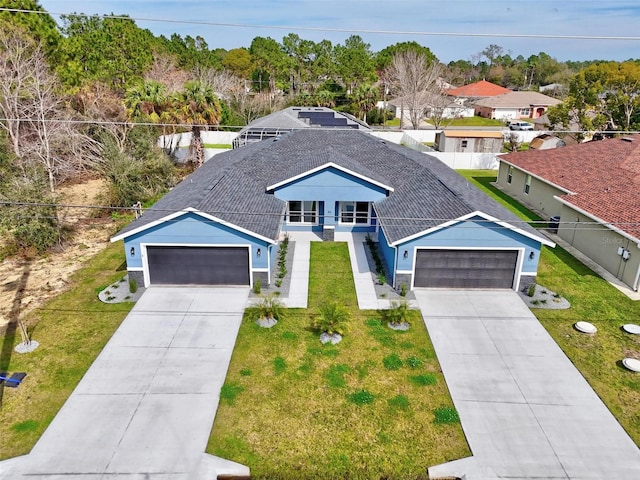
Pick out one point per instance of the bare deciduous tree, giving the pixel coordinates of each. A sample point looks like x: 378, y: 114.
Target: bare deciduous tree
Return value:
x: 415, y: 79
x: 164, y: 71
x: 221, y: 82
x: 35, y: 118
x: 247, y: 104
x: 17, y: 67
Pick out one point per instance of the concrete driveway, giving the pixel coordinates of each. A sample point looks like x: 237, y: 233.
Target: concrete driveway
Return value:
x: 525, y: 409
x: 146, y: 406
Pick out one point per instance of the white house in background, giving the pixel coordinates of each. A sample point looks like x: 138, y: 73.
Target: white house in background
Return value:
x: 515, y: 105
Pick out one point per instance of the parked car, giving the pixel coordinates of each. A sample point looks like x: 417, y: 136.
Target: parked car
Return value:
x: 520, y: 126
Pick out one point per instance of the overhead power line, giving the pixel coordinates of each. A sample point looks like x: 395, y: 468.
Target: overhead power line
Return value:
x: 339, y: 30
x: 394, y: 221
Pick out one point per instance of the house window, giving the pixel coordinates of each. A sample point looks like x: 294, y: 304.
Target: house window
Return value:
x: 524, y: 112
x: 302, y: 211
x: 355, y: 213
x: 527, y: 184
x: 510, y: 174
x: 464, y: 143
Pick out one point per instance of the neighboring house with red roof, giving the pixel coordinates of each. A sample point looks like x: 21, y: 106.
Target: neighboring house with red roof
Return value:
x: 515, y: 105
x: 594, y: 189
x: 477, y: 90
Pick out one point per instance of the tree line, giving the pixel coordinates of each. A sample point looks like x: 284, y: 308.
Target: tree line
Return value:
x: 91, y: 95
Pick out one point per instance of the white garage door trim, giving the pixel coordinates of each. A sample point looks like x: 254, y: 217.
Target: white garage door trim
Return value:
x: 518, y: 269
x: 145, y: 258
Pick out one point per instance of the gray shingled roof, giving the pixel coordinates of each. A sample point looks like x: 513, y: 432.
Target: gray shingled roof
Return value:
x: 517, y: 100
x: 232, y: 185
x: 289, y: 119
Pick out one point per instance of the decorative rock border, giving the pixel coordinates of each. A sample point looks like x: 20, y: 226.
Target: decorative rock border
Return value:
x: 27, y: 347
x: 333, y: 339
x: 399, y: 326
x: 266, y: 322
x: 544, y: 298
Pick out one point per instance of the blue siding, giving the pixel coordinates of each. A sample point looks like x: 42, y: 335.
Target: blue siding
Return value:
x: 472, y: 234
x: 192, y: 229
x: 388, y: 254
x: 330, y: 186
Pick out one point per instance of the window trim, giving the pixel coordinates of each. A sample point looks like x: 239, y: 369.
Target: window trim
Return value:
x: 510, y: 174
x: 354, y: 212
x: 303, y: 212
x: 527, y: 184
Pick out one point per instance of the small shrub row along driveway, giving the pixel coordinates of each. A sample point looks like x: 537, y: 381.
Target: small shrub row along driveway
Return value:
x: 375, y: 405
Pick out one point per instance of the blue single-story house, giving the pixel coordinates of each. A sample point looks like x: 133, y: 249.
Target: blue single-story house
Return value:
x: 222, y: 224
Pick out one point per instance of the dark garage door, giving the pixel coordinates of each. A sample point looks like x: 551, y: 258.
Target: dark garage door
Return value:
x: 198, y: 265
x: 465, y: 268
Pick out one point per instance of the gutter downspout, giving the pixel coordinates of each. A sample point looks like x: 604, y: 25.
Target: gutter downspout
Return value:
x: 395, y: 265
x: 637, y: 280
x: 269, y: 251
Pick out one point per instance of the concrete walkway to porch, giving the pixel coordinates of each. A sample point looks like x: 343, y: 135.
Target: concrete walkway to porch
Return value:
x: 365, y: 289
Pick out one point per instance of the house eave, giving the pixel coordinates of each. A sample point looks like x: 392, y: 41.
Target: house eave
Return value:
x: 195, y: 211
x: 324, y: 167
x: 537, y: 177
x: 595, y: 218
x: 477, y: 213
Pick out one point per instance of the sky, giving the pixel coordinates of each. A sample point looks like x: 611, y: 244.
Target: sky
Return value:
x: 442, y: 25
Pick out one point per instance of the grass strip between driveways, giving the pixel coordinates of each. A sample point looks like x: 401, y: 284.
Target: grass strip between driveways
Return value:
x: 593, y: 299
x: 373, y: 406
x: 72, y: 329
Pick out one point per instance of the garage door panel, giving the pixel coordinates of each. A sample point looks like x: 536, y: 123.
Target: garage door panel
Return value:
x: 465, y: 268
x: 171, y: 265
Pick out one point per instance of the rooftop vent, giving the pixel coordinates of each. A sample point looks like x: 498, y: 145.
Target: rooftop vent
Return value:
x: 627, y: 139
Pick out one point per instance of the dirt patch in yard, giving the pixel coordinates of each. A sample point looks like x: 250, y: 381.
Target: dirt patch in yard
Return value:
x: 26, y: 284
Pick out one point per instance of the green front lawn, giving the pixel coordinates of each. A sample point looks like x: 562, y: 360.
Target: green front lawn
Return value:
x: 472, y: 122
x: 594, y: 300
x: 373, y: 406
x: 72, y: 329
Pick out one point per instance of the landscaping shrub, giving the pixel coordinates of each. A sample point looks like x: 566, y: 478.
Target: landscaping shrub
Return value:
x: 270, y: 307
x: 133, y: 285
x: 531, y: 290
x: 398, y: 312
x: 332, y: 318
x: 257, y: 286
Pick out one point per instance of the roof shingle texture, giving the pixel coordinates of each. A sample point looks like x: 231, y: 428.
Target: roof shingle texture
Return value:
x: 233, y: 185
x: 518, y: 100
x: 602, y: 176
x: 478, y: 89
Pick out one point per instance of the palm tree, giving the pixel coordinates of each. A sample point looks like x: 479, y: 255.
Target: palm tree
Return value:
x: 146, y: 101
x: 364, y: 97
x: 197, y: 106
x: 325, y: 98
